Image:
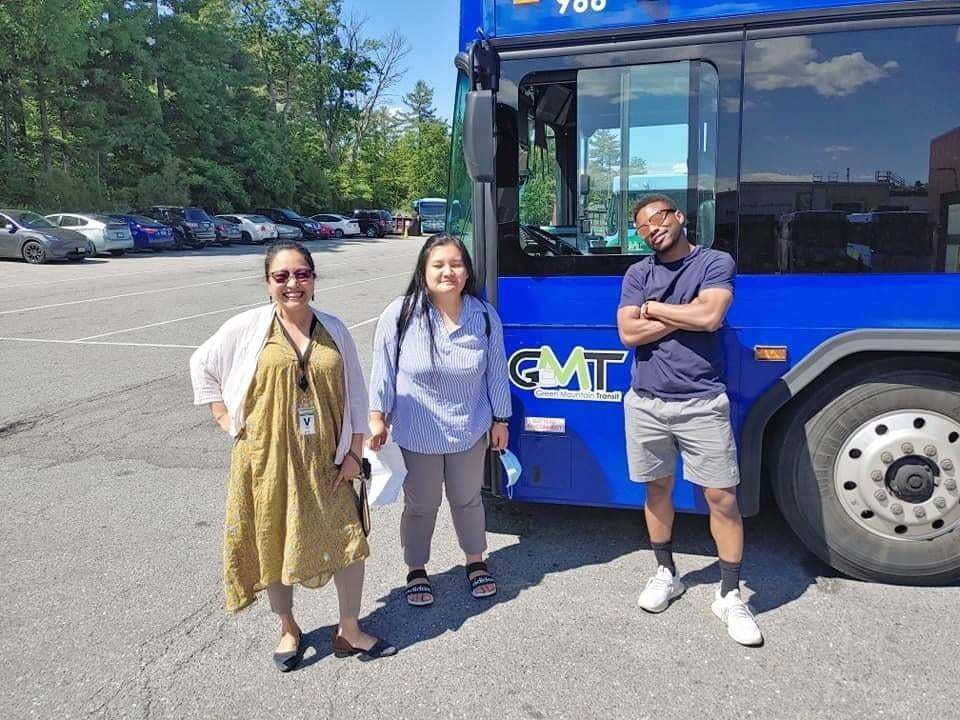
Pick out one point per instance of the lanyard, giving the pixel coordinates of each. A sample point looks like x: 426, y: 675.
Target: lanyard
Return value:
x: 302, y: 360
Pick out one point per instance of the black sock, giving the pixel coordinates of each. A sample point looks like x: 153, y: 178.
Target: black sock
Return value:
x: 729, y: 577
x: 664, y: 554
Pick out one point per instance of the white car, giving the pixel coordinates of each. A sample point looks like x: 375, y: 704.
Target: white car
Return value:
x: 341, y: 226
x: 253, y: 228
x: 106, y: 234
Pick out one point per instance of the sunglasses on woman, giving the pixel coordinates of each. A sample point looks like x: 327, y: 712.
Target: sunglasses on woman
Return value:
x: 281, y: 277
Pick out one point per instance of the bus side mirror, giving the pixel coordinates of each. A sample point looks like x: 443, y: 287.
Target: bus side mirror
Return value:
x: 584, y: 184
x: 479, y: 148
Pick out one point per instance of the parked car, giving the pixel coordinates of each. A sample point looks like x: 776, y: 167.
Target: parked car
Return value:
x: 288, y: 232
x: 148, y: 234
x: 106, y: 234
x: 226, y: 231
x: 253, y: 228
x: 341, y: 226
x: 372, y: 222
x: 24, y: 234
x: 312, y: 230
x: 191, y: 225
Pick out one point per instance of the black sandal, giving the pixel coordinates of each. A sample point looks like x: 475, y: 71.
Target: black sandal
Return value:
x: 421, y: 588
x: 480, y: 580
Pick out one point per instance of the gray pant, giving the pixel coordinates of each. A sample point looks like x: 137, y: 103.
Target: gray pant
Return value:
x: 462, y: 475
x: 349, y: 582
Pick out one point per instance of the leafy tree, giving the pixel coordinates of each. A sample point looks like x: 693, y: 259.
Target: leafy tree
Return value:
x: 228, y: 104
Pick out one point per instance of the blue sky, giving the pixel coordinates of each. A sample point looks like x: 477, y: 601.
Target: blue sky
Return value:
x: 431, y: 31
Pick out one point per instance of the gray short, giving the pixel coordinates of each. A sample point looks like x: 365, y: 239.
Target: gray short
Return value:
x: 698, y: 429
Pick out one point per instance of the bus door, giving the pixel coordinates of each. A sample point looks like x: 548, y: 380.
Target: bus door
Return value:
x: 582, y: 134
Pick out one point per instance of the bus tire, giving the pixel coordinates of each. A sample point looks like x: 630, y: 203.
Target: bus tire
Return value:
x: 866, y: 471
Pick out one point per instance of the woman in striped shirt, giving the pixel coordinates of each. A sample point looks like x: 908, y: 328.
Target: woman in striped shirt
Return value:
x: 440, y: 382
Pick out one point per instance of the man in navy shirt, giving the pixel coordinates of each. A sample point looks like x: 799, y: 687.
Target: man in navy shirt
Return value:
x: 671, y: 306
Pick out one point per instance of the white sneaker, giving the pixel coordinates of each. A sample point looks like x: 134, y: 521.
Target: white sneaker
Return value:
x: 740, y: 623
x: 660, y: 590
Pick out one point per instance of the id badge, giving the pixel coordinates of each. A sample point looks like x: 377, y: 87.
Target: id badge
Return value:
x: 308, y: 421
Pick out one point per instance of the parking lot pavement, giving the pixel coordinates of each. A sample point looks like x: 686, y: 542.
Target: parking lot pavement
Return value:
x: 111, y: 500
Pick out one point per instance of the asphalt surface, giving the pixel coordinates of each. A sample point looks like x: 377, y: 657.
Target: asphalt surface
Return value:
x: 111, y: 497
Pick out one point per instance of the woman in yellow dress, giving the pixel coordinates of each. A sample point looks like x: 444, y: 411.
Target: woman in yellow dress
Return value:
x: 285, y: 381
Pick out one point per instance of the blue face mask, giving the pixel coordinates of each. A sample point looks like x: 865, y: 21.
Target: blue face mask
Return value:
x: 513, y: 468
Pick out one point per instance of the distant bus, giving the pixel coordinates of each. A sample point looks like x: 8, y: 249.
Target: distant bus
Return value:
x: 432, y: 213
x: 815, y: 141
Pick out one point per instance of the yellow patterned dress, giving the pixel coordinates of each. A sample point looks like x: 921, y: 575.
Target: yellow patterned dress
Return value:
x: 284, y: 522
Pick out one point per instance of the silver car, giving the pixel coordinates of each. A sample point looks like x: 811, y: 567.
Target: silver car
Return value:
x: 24, y: 234
x: 106, y: 234
x: 289, y: 232
x: 253, y: 228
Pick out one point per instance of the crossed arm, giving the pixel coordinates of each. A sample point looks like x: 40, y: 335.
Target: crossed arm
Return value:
x: 655, y: 320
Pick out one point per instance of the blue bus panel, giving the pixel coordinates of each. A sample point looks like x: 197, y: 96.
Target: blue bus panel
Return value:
x: 569, y: 370
x: 519, y: 18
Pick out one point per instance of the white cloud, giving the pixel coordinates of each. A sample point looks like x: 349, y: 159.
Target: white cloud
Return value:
x: 794, y: 63
x: 838, y: 148
x: 732, y: 105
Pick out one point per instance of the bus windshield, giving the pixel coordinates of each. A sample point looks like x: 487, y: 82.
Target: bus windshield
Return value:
x: 591, y: 145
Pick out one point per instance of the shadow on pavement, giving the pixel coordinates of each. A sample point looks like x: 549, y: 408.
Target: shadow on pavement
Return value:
x: 554, y: 539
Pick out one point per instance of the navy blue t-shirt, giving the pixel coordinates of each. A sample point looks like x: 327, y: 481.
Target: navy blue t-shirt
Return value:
x: 684, y: 364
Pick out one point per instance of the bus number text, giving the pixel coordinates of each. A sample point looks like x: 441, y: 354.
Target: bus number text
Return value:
x: 581, y: 6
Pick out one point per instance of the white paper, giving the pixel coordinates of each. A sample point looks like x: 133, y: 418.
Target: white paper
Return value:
x: 387, y: 472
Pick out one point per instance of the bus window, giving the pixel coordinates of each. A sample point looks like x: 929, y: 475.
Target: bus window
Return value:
x: 459, y: 206
x: 594, y: 143
x: 850, y: 152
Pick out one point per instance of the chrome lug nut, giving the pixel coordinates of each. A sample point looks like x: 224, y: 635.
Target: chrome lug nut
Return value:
x: 907, y: 448
x: 919, y: 512
x: 929, y: 451
x: 886, y: 458
x: 896, y: 509
x: 876, y: 476
x: 947, y: 464
x: 940, y: 503
x: 950, y: 484
x: 880, y: 495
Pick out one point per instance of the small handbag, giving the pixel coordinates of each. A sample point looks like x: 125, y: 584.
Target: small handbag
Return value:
x: 363, y: 506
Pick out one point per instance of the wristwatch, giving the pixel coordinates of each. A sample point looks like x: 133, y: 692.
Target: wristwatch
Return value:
x: 502, y: 421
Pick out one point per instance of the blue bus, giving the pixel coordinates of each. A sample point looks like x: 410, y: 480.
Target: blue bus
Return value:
x: 432, y: 213
x: 816, y: 142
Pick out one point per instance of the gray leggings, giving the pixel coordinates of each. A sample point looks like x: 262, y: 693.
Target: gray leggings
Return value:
x: 462, y: 475
x: 349, y: 582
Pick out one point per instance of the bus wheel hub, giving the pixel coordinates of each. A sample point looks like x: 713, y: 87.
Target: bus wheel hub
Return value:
x: 885, y: 486
x: 912, y: 478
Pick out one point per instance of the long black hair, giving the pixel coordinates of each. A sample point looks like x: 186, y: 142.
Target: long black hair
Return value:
x: 416, y: 300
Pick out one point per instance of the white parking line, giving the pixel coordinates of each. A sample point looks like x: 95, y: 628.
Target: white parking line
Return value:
x: 365, y: 322
x: 126, y: 295
x: 171, y: 266
x: 235, y: 307
x: 132, y: 344
x: 86, y: 342
x: 167, y: 322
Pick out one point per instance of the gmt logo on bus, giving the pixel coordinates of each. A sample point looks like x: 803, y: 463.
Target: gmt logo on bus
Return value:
x: 582, y: 376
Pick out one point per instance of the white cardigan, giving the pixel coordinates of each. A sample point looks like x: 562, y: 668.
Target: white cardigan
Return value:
x: 223, y: 368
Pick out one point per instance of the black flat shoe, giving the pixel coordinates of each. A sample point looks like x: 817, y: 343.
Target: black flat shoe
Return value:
x: 287, y: 661
x: 381, y: 649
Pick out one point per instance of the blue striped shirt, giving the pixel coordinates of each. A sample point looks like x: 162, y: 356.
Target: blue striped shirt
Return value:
x: 444, y: 404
